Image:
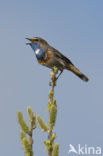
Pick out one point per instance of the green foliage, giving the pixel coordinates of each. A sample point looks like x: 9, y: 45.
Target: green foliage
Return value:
x: 52, y: 149
x: 25, y: 130
x: 49, y: 106
x: 52, y: 115
x: 22, y: 123
x: 32, y: 118
x: 53, y: 136
x: 47, y: 144
x: 54, y: 102
x: 55, y: 70
x: 52, y: 109
x: 42, y: 124
x: 55, y: 150
x: 22, y: 135
x: 50, y: 94
x: 27, y: 147
x: 53, y: 73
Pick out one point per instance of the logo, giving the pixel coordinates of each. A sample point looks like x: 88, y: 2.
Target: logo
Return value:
x: 87, y: 150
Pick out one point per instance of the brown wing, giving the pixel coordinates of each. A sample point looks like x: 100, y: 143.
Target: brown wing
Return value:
x: 60, y: 55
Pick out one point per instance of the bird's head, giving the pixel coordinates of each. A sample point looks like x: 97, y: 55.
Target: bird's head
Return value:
x: 37, y: 40
x: 39, y: 46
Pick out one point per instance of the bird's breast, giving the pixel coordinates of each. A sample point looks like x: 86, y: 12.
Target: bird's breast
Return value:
x: 46, y: 60
x: 40, y: 54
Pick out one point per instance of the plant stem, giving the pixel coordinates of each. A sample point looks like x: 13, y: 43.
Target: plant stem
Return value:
x: 53, y: 81
x: 32, y: 127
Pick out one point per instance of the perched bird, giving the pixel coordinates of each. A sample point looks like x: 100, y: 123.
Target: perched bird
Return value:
x: 50, y: 57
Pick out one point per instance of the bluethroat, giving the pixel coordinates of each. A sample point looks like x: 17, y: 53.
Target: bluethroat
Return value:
x: 50, y: 57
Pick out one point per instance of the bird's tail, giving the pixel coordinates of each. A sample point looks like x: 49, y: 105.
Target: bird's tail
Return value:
x: 76, y: 71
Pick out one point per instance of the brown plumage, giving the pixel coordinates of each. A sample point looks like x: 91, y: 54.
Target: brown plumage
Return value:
x: 50, y: 57
x: 76, y: 71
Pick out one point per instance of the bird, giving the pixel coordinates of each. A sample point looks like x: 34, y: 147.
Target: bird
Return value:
x: 48, y: 56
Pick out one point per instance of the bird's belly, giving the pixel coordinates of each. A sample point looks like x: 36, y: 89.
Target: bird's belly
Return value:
x: 50, y: 61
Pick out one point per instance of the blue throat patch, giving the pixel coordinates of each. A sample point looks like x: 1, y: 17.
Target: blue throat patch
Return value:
x: 39, y: 52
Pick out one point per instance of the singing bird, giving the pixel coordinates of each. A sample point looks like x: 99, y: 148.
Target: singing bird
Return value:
x: 50, y: 57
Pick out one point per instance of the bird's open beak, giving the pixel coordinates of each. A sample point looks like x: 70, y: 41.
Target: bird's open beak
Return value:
x: 28, y: 39
x: 28, y: 43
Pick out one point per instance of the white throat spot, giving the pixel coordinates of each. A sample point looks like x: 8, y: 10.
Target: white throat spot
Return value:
x: 37, y: 51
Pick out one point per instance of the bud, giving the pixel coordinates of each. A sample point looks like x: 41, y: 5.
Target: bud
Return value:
x: 32, y: 118
x: 42, y: 124
x: 54, y: 101
x: 27, y: 147
x: 22, y: 123
x: 52, y: 115
x: 52, y: 74
x: 49, y: 106
x: 53, y: 136
x: 48, y: 144
x: 50, y: 94
x: 22, y: 136
x: 55, y: 150
x: 55, y: 69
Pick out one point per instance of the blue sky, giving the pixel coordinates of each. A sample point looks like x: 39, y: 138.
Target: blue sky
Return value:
x: 76, y: 29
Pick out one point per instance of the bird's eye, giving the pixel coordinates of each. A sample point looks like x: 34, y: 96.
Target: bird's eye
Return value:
x: 36, y: 40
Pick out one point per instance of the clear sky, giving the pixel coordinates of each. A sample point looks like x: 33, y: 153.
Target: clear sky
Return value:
x: 75, y: 27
